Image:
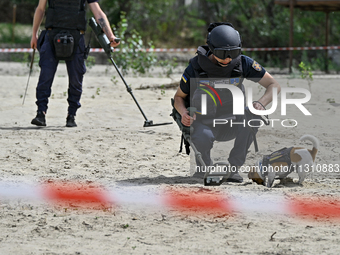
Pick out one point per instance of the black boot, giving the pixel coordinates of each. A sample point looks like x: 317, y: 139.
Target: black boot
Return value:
x: 39, y: 120
x: 70, y: 121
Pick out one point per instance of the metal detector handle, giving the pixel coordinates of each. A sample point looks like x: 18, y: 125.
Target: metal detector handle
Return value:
x: 101, y: 36
x: 192, y: 111
x: 117, y: 40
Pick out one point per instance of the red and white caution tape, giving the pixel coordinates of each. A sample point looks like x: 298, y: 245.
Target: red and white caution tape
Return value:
x: 15, y: 50
x: 292, y: 48
x: 193, y: 200
x: 172, y: 50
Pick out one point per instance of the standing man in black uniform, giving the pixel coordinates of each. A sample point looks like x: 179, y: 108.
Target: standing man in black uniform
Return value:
x: 221, y: 61
x: 63, y: 39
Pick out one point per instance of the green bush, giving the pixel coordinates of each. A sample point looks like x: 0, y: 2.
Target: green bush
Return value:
x: 132, y: 52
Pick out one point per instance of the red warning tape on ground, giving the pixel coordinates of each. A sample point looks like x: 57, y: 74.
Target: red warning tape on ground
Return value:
x: 195, y: 200
x: 72, y: 192
x: 323, y: 208
x: 172, y: 50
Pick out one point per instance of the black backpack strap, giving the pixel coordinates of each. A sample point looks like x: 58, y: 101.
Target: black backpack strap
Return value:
x: 181, y: 144
x: 186, y: 144
x: 177, y: 118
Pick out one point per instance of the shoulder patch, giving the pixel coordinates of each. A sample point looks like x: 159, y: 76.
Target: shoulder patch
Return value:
x: 184, y: 78
x: 257, y: 66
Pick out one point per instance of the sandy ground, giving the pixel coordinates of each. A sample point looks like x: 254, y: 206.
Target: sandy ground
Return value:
x: 110, y: 147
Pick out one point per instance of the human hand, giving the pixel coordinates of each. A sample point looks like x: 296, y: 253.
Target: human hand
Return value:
x: 258, y: 106
x: 187, y: 120
x: 114, y: 41
x: 34, y: 42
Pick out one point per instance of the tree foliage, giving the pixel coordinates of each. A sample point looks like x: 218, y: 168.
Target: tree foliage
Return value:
x: 183, y: 23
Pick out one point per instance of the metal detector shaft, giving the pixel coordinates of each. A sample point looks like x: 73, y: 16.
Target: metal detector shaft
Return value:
x: 210, y: 179
x: 147, y: 123
x: 198, y: 155
x: 128, y: 88
x: 29, y: 75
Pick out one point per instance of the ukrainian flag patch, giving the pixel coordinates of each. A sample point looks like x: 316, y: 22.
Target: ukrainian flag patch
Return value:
x: 184, y: 78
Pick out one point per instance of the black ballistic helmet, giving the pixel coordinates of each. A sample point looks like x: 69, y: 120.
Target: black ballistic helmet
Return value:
x: 224, y: 41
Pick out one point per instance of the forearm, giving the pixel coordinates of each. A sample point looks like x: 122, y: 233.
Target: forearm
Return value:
x: 38, y: 17
x: 267, y: 97
x: 102, y: 20
x: 104, y: 23
x: 270, y: 84
x: 180, y: 105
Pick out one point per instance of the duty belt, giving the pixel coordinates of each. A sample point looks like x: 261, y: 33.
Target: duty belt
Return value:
x: 82, y: 32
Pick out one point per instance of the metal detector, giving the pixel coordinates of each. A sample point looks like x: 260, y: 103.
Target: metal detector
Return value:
x: 105, y: 44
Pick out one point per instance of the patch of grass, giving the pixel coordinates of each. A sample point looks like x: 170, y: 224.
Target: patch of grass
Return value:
x: 306, y: 73
x: 163, y: 90
x: 22, y: 33
x: 90, y: 62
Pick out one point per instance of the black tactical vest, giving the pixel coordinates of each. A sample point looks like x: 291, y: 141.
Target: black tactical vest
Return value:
x: 66, y: 14
x: 208, y: 73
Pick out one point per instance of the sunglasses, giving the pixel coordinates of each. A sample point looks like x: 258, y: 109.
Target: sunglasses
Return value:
x: 230, y: 52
